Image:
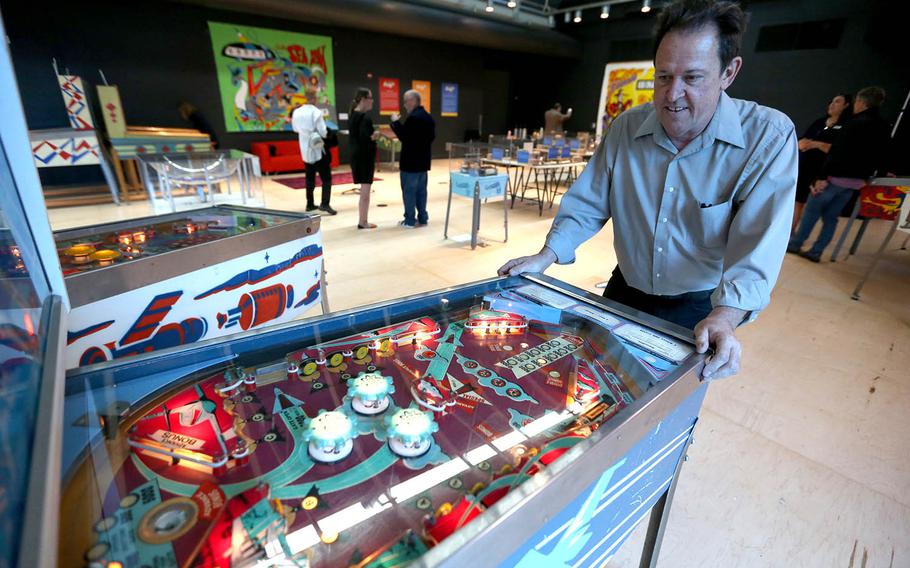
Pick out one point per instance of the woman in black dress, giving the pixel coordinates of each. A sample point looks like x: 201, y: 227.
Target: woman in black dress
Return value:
x: 363, y: 151
x: 814, y: 146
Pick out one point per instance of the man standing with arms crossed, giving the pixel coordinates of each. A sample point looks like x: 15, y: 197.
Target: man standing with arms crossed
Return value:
x: 700, y: 188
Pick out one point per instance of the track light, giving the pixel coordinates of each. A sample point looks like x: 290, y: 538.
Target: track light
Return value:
x: 605, y: 12
x: 577, y: 16
x: 490, y: 8
x: 511, y: 3
x: 567, y: 17
x: 645, y: 6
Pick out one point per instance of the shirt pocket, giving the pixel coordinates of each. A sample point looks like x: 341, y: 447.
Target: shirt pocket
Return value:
x: 709, y: 225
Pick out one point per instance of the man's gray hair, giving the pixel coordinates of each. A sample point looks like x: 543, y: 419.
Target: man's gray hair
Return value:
x: 412, y: 93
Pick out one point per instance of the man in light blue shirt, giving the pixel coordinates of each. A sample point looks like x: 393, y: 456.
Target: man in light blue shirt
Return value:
x: 700, y: 188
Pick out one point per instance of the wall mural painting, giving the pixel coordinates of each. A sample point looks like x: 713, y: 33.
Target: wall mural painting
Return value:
x: 263, y: 75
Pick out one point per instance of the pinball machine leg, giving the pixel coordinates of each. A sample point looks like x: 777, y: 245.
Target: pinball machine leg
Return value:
x: 845, y: 232
x: 878, y: 256
x: 859, y: 236
x: 121, y: 179
x: 505, y: 211
x: 323, y: 290
x: 475, y: 216
x: 445, y: 229
x: 660, y: 513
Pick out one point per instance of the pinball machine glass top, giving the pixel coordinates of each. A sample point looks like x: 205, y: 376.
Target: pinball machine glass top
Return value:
x: 21, y: 346
x: 90, y: 248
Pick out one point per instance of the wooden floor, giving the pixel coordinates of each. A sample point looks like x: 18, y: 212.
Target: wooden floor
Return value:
x: 803, y: 460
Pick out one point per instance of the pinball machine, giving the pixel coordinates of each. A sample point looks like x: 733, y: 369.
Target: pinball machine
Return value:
x: 145, y: 284
x: 516, y: 421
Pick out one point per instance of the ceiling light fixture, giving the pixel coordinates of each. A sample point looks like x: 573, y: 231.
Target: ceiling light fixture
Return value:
x: 552, y: 21
x: 645, y: 6
x: 490, y: 8
x: 605, y: 12
x: 568, y: 17
x: 577, y: 16
x: 511, y: 3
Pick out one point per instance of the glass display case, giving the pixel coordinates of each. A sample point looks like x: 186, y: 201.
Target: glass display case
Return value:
x: 470, y: 159
x: 190, y: 180
x: 409, y: 431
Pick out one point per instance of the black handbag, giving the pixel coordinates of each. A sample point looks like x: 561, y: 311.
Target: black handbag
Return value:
x: 331, y: 138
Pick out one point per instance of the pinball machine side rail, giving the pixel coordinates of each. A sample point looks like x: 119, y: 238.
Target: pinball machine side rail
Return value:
x: 40, y: 521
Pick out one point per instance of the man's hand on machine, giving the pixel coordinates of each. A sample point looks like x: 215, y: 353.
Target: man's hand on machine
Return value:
x: 534, y: 263
x: 718, y: 331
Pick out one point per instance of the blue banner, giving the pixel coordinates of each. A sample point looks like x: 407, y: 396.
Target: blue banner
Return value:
x: 449, y: 99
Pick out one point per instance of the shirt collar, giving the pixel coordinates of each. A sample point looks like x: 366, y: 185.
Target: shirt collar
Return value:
x: 729, y: 126
x: 725, y: 124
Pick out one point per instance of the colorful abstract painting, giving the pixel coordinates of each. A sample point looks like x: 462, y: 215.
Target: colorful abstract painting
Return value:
x: 263, y: 75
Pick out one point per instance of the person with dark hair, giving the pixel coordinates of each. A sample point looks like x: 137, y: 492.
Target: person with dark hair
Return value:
x: 699, y: 186
x: 416, y: 131
x: 856, y: 155
x: 363, y: 151
x: 814, y: 147
x: 554, y: 118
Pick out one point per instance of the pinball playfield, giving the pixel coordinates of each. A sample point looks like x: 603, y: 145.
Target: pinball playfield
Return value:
x: 367, y: 449
x: 83, y: 250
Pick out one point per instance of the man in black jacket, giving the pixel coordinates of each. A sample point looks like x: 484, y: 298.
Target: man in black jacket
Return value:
x: 856, y: 155
x: 416, y: 132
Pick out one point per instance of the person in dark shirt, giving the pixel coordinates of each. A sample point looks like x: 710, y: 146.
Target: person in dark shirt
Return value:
x: 363, y: 151
x: 416, y: 132
x: 856, y: 155
x: 191, y: 114
x: 814, y: 146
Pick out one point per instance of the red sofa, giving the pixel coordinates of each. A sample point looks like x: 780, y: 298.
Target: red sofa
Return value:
x: 283, y: 156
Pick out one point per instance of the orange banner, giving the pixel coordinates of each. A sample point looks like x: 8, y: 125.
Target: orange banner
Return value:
x: 423, y: 87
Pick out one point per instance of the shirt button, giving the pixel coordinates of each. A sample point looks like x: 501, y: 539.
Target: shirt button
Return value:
x: 664, y: 219
x: 671, y: 189
x: 658, y: 274
x: 660, y: 249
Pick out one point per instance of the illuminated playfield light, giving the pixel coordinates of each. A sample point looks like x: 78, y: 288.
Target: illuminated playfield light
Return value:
x: 577, y: 18
x: 605, y: 12
x: 645, y: 6
x: 489, y: 7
